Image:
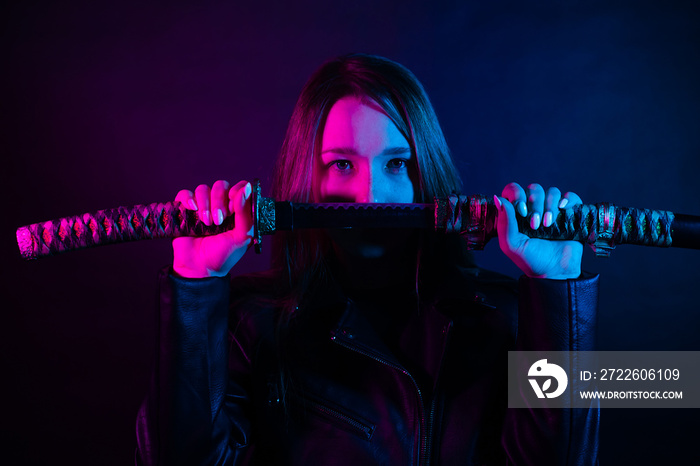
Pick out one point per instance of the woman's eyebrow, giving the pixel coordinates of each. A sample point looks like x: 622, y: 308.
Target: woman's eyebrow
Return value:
x: 341, y: 150
x: 398, y: 150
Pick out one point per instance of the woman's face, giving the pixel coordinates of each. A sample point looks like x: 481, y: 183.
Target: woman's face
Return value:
x: 364, y: 157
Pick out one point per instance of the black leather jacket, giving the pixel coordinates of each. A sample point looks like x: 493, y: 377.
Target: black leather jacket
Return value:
x: 428, y: 390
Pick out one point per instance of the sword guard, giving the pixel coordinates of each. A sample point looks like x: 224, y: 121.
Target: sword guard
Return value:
x: 263, y: 213
x: 255, y: 206
x: 603, y: 236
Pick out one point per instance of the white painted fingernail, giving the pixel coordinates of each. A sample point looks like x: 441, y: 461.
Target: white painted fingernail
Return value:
x: 206, y: 217
x: 522, y: 209
x: 497, y: 202
x: 563, y: 203
x: 248, y: 191
x: 219, y: 217
x: 535, y: 221
x: 193, y: 205
x: 547, y: 219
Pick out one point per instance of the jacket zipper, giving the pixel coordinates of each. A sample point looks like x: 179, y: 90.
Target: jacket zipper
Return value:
x: 431, y: 418
x: 423, y: 429
x: 431, y: 432
x: 364, y: 429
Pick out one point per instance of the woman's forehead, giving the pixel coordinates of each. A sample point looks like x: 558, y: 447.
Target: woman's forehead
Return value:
x: 360, y: 124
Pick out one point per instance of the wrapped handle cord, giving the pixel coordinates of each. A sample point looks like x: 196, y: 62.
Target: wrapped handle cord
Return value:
x: 119, y: 225
x: 602, y: 225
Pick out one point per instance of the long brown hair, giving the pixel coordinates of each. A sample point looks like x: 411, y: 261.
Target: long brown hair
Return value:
x: 302, y: 256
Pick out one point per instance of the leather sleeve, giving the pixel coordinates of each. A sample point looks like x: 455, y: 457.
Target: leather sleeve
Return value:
x: 554, y: 315
x: 193, y: 413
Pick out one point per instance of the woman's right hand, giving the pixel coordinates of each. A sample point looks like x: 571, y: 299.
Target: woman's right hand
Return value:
x: 213, y: 256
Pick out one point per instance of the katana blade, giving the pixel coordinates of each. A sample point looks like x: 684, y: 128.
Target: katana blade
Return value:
x: 291, y: 216
x: 603, y: 225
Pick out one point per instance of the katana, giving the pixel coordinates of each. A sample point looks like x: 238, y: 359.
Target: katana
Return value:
x: 602, y: 226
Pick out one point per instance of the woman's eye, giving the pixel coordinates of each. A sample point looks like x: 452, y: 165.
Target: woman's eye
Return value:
x: 341, y: 165
x: 396, y: 164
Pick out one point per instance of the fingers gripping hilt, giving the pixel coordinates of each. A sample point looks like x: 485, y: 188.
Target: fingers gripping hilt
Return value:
x: 602, y: 225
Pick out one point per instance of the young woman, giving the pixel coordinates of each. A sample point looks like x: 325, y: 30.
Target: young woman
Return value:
x: 363, y: 347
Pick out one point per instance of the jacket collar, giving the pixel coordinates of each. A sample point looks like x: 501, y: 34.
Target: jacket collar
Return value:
x: 458, y: 293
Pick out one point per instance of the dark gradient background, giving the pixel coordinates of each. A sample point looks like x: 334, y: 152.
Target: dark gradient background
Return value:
x: 107, y: 104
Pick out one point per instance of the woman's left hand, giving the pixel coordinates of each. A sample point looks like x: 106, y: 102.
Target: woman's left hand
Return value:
x: 537, y: 257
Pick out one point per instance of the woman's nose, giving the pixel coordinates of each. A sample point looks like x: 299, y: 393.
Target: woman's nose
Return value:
x: 367, y: 196
x: 372, y: 190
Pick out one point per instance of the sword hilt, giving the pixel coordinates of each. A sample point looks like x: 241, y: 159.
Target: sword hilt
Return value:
x: 110, y: 226
x: 602, y: 225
